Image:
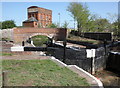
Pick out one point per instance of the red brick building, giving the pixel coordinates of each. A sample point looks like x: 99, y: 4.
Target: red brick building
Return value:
x: 38, y: 17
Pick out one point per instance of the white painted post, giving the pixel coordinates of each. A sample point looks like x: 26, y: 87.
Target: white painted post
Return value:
x: 91, y: 54
x: 93, y: 61
x: 32, y: 43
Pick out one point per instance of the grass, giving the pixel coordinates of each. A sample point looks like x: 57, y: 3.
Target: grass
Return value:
x: 1, y: 73
x: 39, y: 40
x: 77, y: 38
x: 40, y: 73
x: 6, y: 54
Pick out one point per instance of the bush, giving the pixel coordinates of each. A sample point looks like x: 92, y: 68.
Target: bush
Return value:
x: 74, y: 32
x: 53, y: 25
x: 8, y: 24
x: 39, y: 40
x: 6, y: 39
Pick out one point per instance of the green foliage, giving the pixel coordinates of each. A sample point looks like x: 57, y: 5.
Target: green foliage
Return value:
x: 65, y: 25
x: 101, y: 25
x: 39, y: 40
x: 40, y: 73
x: 80, y: 13
x: 116, y: 29
x: 5, y: 39
x: 53, y: 25
x: 6, y: 54
x: 98, y: 25
x: 8, y: 24
x: 87, y: 22
x: 0, y: 25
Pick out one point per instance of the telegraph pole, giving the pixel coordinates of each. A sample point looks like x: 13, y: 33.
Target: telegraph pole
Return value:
x: 59, y: 19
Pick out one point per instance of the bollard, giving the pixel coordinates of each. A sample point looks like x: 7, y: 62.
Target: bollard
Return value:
x: 64, y: 55
x: 4, y: 78
x: 23, y: 43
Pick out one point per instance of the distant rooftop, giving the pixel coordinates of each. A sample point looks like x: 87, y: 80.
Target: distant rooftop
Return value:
x: 31, y: 19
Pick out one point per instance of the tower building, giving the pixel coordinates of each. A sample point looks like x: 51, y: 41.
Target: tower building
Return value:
x: 38, y: 17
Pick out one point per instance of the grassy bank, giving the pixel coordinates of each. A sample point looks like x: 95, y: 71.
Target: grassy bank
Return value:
x: 5, y: 54
x: 81, y: 39
x: 40, y: 40
x: 40, y: 73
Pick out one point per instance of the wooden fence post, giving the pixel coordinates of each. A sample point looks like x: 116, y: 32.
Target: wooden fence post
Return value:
x: 4, y: 78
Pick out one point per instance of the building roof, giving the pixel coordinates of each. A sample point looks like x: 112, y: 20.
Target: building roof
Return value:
x: 32, y: 7
x: 31, y: 19
x: 38, y: 7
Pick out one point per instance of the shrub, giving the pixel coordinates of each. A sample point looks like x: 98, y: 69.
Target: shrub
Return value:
x: 39, y: 40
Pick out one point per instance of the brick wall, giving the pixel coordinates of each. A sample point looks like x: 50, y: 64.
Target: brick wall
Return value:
x: 22, y: 34
x: 6, y: 33
x: 30, y: 24
x: 44, y: 16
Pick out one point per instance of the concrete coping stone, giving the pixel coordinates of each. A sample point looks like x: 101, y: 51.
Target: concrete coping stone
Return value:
x: 69, y: 46
x: 17, y: 48
x: 115, y: 52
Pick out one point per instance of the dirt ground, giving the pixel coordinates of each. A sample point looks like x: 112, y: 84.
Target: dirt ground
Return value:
x: 5, y: 48
x: 108, y: 78
x: 24, y: 57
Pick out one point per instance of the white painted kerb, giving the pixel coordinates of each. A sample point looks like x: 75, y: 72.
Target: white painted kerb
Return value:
x: 80, y: 69
x: 98, y: 81
x: 17, y: 48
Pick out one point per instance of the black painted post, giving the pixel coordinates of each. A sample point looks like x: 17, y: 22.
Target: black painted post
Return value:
x: 30, y: 40
x: 105, y: 42
x: 105, y: 56
x: 23, y: 43
x: 64, y: 55
x: 4, y: 79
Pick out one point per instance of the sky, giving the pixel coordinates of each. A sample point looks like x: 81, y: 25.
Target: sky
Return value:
x: 17, y: 11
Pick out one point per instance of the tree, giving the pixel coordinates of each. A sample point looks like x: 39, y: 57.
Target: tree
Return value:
x: 115, y: 22
x: 0, y: 25
x: 102, y: 25
x: 91, y: 26
x: 80, y: 13
x: 65, y: 25
x: 53, y: 25
x: 115, y: 28
x: 8, y: 24
x: 113, y: 17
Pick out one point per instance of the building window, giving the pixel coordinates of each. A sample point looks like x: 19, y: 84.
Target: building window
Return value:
x: 41, y: 17
x: 47, y: 18
x: 32, y: 15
